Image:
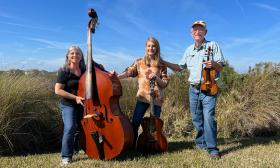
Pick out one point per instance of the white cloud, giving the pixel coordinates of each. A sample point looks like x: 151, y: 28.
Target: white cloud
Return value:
x: 239, y: 41
x: 240, y: 6
x: 243, y: 52
x: 33, y: 63
x: 110, y: 59
x: 32, y: 26
x: 54, y: 44
x: 114, y: 60
x: 266, y: 7
x: 138, y: 23
x: 242, y: 62
x: 6, y: 15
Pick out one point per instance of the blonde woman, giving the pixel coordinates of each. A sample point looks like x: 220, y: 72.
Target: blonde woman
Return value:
x: 145, y: 69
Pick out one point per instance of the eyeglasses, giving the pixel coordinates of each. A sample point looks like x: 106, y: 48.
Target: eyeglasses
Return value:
x: 198, y: 30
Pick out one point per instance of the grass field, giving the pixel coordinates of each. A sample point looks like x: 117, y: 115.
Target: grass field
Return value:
x: 255, y: 152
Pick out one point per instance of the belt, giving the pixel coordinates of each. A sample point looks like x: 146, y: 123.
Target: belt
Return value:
x: 197, y: 87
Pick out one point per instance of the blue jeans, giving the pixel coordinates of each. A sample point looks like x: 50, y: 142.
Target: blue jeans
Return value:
x: 70, y: 137
x: 202, y: 108
x: 138, y: 114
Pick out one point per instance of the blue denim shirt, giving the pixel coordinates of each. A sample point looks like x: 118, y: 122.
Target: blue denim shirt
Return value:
x: 193, y: 58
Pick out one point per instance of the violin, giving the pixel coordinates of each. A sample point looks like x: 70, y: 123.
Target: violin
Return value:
x: 209, y: 84
x: 106, y: 131
x: 152, y: 140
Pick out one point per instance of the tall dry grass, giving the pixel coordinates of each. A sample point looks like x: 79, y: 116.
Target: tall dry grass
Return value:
x: 175, y: 110
x: 249, y: 105
x: 175, y: 107
x: 29, y: 119
x: 252, y: 108
x: 128, y: 99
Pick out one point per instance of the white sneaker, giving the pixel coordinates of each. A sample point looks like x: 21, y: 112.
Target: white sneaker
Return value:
x: 65, y: 161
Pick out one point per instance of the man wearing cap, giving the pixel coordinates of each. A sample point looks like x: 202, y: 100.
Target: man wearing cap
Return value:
x: 202, y: 105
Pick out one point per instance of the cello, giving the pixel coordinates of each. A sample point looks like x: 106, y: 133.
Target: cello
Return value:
x: 152, y: 140
x: 106, y: 131
x: 209, y: 84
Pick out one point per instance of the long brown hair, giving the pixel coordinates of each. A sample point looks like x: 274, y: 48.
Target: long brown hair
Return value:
x: 147, y: 59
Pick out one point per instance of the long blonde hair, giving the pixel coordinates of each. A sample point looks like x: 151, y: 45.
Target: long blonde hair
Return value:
x: 147, y: 59
x: 82, y: 64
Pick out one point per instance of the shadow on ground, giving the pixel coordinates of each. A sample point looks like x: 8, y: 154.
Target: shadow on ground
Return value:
x: 247, y: 142
x: 173, y: 146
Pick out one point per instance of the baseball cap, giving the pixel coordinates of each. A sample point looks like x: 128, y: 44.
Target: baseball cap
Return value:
x: 201, y: 23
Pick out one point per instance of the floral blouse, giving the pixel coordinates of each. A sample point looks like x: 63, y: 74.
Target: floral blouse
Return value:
x: 141, y: 71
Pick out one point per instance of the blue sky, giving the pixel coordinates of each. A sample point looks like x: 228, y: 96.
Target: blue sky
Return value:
x: 35, y: 34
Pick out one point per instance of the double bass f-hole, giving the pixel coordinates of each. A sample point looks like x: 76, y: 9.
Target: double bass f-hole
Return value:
x: 97, y: 115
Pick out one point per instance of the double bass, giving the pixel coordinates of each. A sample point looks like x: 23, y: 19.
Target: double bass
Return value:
x: 152, y: 140
x: 106, y: 131
x: 209, y: 84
